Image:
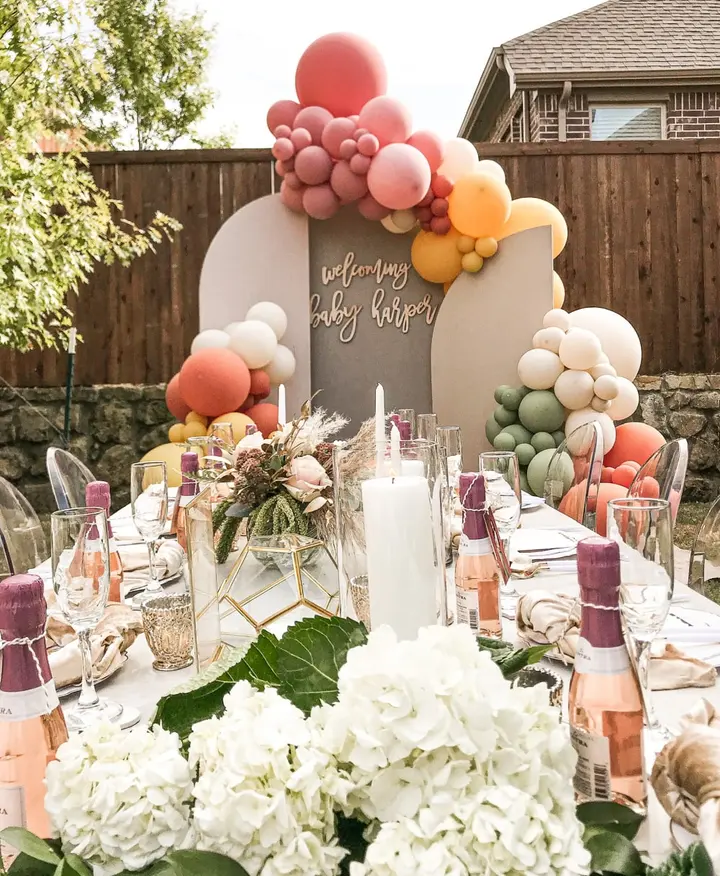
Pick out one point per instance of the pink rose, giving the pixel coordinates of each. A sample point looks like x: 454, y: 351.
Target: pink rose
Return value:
x: 307, y: 478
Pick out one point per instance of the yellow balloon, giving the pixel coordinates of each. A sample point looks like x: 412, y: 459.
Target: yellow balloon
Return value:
x: 194, y: 430
x: 558, y: 291
x: 169, y: 454
x: 528, y: 213
x: 479, y: 205
x: 192, y: 417
x: 472, y: 262
x: 466, y: 244
x: 486, y: 247
x: 436, y: 256
x: 176, y: 433
x: 239, y: 423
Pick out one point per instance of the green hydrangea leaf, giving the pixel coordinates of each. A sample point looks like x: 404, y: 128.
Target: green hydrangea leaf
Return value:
x: 611, y: 817
x: 203, y: 864
x: 613, y: 853
x: 31, y: 845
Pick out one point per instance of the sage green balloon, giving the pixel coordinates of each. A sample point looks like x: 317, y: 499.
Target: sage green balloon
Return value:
x: 499, y: 392
x: 519, y: 433
x: 504, y: 441
x: 537, y: 471
x: 543, y: 441
x: 524, y: 485
x: 511, y: 399
x: 540, y: 411
x: 524, y: 390
x: 558, y: 437
x: 492, y: 429
x: 525, y: 453
x: 504, y: 416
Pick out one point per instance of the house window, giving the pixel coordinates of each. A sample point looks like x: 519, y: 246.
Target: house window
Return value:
x: 628, y: 122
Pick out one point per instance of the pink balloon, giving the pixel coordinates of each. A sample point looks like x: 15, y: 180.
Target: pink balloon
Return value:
x: 320, y: 202
x: 360, y: 132
x: 439, y: 207
x: 282, y: 112
x: 354, y: 118
x: 368, y: 144
x: 279, y: 168
x: 370, y: 208
x: 399, y: 176
x: 292, y: 198
x: 428, y: 199
x: 360, y: 164
x: 387, y: 118
x: 282, y: 131
x: 314, y: 119
x: 293, y: 181
x: 441, y: 186
x: 348, y: 148
x: 283, y: 149
x: 424, y: 214
x: 313, y: 165
x: 301, y: 138
x: 431, y: 146
x: 336, y: 131
x: 288, y: 165
x: 348, y: 186
x: 440, y: 224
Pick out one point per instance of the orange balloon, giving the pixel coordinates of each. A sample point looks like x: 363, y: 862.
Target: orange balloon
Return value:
x: 598, y: 501
x: 573, y: 501
x: 239, y: 423
x: 479, y: 205
x: 634, y: 442
x: 528, y: 213
x: 624, y: 475
x: 446, y: 286
x: 436, y: 256
x: 265, y: 417
x: 558, y: 291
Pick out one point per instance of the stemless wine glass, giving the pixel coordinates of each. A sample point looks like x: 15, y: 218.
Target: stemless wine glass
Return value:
x: 81, y: 580
x: 427, y: 427
x: 643, y: 530
x: 149, y: 502
x: 449, y: 441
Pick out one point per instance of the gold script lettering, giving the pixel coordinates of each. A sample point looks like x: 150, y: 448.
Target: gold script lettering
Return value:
x: 398, y: 313
x: 348, y: 271
x: 338, y: 314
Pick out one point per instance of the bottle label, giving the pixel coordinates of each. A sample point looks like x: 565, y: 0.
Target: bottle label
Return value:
x: 468, y: 608
x: 12, y: 806
x: 592, y: 773
x: 21, y: 705
x: 590, y: 660
x: 474, y: 547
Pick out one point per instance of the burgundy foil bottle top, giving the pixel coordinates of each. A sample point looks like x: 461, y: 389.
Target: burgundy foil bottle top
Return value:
x: 395, y: 418
x: 472, y: 498
x: 189, y: 462
x: 250, y: 429
x: 404, y: 430
x: 97, y: 495
x: 598, y: 561
x: 23, y: 609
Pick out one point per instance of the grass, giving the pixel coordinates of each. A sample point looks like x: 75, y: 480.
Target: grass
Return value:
x: 690, y: 516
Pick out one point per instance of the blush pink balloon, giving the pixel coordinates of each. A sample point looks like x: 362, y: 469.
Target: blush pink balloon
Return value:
x: 283, y: 149
x: 440, y: 224
x: 399, y: 176
x: 368, y: 145
x: 424, y: 214
x: 301, y: 138
x: 292, y: 198
x: 335, y: 132
x: 348, y: 186
x: 360, y: 132
x: 320, y: 202
x: 313, y: 165
x: 282, y: 112
x: 348, y: 148
x: 370, y: 209
x: 280, y: 168
x: 354, y: 119
x: 288, y: 165
x: 282, y: 131
x: 360, y: 164
x: 313, y: 119
x: 441, y: 186
x: 431, y: 146
x: 439, y: 207
x: 293, y: 181
x: 387, y: 118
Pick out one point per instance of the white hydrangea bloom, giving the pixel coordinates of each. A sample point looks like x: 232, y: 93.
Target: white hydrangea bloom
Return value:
x: 120, y: 799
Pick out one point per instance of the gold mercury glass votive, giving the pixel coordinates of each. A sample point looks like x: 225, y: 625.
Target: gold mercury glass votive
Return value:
x: 360, y: 596
x: 168, y: 625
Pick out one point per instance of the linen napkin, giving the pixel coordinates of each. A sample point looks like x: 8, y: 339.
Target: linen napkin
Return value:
x: 543, y: 617
x: 169, y: 559
x: 117, y: 630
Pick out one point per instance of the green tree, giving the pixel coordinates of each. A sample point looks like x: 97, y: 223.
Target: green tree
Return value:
x: 56, y: 224
x: 154, y: 89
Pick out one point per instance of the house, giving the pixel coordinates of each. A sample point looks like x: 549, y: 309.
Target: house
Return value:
x: 623, y: 70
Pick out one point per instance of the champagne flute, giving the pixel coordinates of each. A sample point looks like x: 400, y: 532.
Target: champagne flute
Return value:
x: 449, y: 442
x: 644, y: 531
x: 502, y: 484
x: 149, y: 503
x: 81, y: 580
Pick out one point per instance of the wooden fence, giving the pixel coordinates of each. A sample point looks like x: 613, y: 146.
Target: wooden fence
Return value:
x: 644, y: 221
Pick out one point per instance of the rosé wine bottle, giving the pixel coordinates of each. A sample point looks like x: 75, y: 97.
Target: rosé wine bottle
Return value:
x: 187, y: 491
x: 605, y: 704
x: 477, y: 578
x: 32, y: 725
x: 97, y: 495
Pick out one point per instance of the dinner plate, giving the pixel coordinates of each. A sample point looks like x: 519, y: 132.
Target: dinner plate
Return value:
x: 164, y: 582
x: 71, y: 689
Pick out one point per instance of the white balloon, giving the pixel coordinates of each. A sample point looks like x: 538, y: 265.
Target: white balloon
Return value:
x: 460, y: 159
x: 602, y: 369
x: 574, y: 389
x: 491, y: 167
x: 210, y: 339
x: 557, y: 318
x: 626, y: 401
x: 588, y: 415
x: 607, y: 387
x: 620, y: 341
x: 600, y: 404
x: 539, y: 369
x: 254, y: 342
x: 271, y: 314
x: 388, y: 224
x: 230, y: 328
x: 282, y: 367
x: 405, y: 220
x: 580, y: 350
x: 548, y: 339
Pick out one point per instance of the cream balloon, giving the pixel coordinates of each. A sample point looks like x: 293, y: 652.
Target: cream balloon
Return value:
x: 626, y: 401
x: 388, y: 224
x: 603, y: 369
x: 600, y: 404
x: 271, y: 314
x: 492, y: 167
x: 405, y: 220
x: 282, y: 366
x: 619, y: 340
x: 548, y: 339
x: 210, y: 339
x: 574, y: 389
x: 606, y: 387
x: 588, y: 415
x: 460, y: 159
x: 580, y: 350
x: 557, y: 318
x: 230, y: 327
x: 254, y: 342
x: 539, y: 369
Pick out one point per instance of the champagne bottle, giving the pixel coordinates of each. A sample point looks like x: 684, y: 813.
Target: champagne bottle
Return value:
x: 32, y: 725
x: 477, y: 578
x: 187, y: 491
x: 605, y: 702
x: 97, y: 495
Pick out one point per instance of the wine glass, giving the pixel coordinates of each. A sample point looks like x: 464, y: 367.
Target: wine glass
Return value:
x: 449, y: 440
x: 643, y: 529
x: 81, y: 580
x: 427, y: 426
x: 149, y: 503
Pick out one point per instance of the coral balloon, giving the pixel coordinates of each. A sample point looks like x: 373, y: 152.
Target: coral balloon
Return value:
x: 301, y: 138
x: 368, y: 145
x: 282, y: 112
x: 335, y: 132
x: 441, y: 186
x: 282, y: 131
x: 558, y: 291
x: 528, y: 213
x: 292, y: 197
x: 360, y: 164
x: 598, y: 502
x: 176, y: 404
x: 265, y: 417
x: 370, y: 209
x: 320, y: 202
x: 246, y: 405
x: 624, y: 475
x: 283, y: 149
x: 348, y: 186
x: 460, y: 159
x: 314, y: 120
x: 348, y: 148
x: 399, y: 176
x: 650, y: 489
x: 441, y: 225
x: 313, y: 165
x: 176, y: 433
x: 620, y: 341
x: 387, y: 119
x: 431, y: 146
x: 436, y: 257
x: 341, y: 72
x: 292, y: 181
x: 259, y: 383
x: 238, y: 421
x: 213, y: 381
x: 491, y: 167
x: 634, y: 442
x: 479, y: 205
x: 169, y: 454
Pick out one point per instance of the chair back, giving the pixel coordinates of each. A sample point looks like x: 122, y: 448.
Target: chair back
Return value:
x: 68, y: 478
x: 574, y: 474
x: 23, y: 544
x: 663, y: 475
x: 704, y: 569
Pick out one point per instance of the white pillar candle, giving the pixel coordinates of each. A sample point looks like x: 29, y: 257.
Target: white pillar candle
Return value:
x: 282, y: 416
x: 413, y: 467
x: 402, y: 576
x: 379, y: 430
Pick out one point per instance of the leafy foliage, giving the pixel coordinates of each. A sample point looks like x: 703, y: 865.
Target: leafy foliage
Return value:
x: 511, y: 660
x: 694, y: 861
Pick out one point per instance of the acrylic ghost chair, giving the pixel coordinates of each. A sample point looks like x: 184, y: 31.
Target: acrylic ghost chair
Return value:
x: 573, y: 476
x: 704, y: 569
x: 22, y: 541
x: 663, y: 475
x: 68, y: 478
